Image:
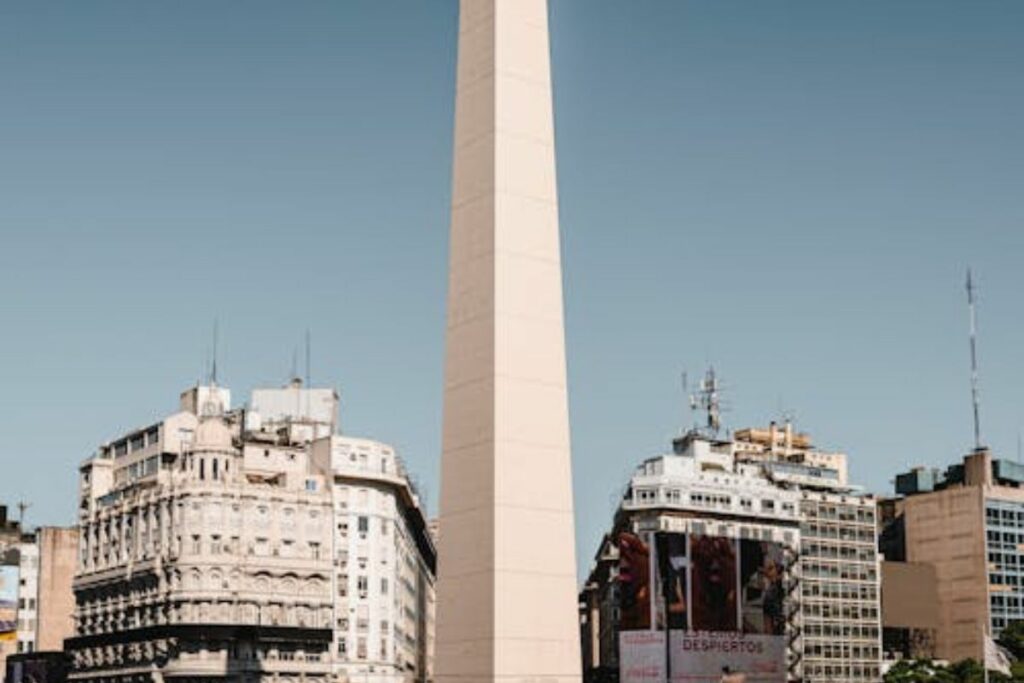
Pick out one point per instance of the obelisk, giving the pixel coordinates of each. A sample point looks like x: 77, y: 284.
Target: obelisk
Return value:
x: 506, y: 592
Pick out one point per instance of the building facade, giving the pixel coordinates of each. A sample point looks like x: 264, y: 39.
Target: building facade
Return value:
x: 207, y: 546
x: 840, y: 575
x: 36, y: 573
x: 384, y: 564
x: 966, y: 524
x: 703, y: 493
x: 28, y: 591
x: 11, y: 594
x: 760, y: 484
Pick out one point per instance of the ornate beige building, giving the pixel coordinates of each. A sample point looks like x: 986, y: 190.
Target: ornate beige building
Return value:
x: 209, y: 550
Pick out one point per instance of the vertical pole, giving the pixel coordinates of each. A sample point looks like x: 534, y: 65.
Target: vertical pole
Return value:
x: 974, y: 361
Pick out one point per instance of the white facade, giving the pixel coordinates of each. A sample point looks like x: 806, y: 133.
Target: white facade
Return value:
x: 764, y: 481
x: 28, y: 592
x: 384, y: 564
x: 701, y: 489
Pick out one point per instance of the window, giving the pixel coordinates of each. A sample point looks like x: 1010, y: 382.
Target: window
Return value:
x: 363, y: 586
x: 215, y: 547
x: 364, y: 525
x: 383, y: 586
x: 314, y: 550
x: 197, y: 545
x: 311, y: 484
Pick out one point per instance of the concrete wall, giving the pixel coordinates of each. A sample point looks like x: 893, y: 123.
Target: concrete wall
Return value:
x: 58, y: 554
x: 946, y: 530
x: 910, y: 595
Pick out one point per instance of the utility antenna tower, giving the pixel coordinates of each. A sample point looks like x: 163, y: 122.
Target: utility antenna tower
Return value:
x: 213, y: 362
x: 706, y: 399
x: 309, y: 378
x: 22, y: 507
x: 975, y: 399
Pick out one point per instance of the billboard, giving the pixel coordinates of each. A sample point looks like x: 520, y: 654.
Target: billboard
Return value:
x: 8, y: 602
x: 701, y: 605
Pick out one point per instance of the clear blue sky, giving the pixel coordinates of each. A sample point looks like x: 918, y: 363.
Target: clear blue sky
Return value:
x: 789, y: 190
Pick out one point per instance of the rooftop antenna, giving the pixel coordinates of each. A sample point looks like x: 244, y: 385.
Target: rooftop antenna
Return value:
x: 213, y: 363
x: 975, y: 400
x: 22, y: 507
x: 706, y: 398
x: 309, y: 384
x: 686, y: 393
x: 294, y: 375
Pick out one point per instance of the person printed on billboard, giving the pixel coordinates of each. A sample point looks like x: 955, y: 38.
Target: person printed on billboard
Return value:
x: 713, y: 572
x: 672, y: 566
x: 762, y: 600
x: 634, y: 582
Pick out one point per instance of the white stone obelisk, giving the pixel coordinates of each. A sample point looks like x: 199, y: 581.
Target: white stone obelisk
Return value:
x: 506, y: 594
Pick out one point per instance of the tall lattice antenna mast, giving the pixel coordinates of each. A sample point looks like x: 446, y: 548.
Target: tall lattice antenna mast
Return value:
x: 975, y: 399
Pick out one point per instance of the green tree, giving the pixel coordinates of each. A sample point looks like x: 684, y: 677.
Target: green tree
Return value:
x: 964, y: 671
x: 968, y: 671
x: 1012, y: 639
x: 918, y: 671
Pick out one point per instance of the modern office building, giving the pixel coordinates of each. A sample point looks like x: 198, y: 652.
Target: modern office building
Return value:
x: 765, y: 484
x: 730, y: 537
x: 840, y: 579
x: 966, y: 523
x: 209, y: 550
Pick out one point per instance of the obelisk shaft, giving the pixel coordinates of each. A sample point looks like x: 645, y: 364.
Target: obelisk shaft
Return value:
x: 506, y: 596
